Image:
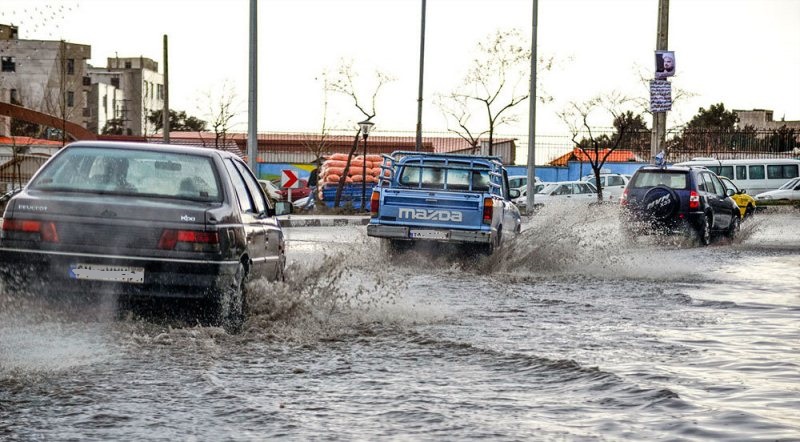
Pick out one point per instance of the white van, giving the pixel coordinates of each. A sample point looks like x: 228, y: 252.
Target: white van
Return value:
x: 754, y: 175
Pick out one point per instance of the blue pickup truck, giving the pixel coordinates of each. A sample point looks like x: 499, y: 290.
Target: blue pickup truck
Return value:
x: 447, y: 198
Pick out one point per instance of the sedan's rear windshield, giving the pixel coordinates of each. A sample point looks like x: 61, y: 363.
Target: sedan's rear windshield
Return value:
x: 131, y: 172
x: 653, y: 178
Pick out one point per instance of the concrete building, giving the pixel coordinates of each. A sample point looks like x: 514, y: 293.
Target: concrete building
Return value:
x: 46, y: 76
x: 762, y: 119
x: 138, y: 89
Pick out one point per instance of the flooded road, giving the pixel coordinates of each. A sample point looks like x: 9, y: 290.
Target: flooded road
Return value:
x: 573, y: 332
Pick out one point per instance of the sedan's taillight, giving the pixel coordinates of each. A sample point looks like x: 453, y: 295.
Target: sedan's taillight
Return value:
x: 189, y: 240
x: 30, y: 229
x: 694, y: 200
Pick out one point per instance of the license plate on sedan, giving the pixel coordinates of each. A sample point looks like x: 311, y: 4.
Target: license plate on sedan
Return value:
x: 100, y: 272
x: 428, y: 234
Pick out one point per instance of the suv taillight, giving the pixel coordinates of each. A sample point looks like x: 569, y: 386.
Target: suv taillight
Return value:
x: 623, y: 199
x: 694, y: 200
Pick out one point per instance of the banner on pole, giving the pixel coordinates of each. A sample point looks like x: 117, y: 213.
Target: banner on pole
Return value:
x: 660, y: 96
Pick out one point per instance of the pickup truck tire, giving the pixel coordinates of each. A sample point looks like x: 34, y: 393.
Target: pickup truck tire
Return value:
x: 392, y: 247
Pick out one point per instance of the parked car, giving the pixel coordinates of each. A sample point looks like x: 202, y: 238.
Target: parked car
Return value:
x: 787, y: 193
x: 566, y: 192
x: 297, y: 192
x: 144, y: 221
x: 520, y: 182
x: 673, y: 199
x: 746, y: 203
x: 273, y: 192
x: 613, y: 184
x: 522, y: 200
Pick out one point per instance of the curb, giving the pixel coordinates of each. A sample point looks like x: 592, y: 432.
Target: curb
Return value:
x: 295, y: 221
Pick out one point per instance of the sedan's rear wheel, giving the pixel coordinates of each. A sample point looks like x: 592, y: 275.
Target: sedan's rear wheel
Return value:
x: 226, y: 308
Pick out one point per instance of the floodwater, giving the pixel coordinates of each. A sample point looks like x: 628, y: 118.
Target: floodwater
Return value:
x: 570, y: 333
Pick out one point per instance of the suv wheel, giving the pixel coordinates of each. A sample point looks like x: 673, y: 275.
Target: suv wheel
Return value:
x: 661, y: 202
x: 734, y: 227
x: 704, y: 231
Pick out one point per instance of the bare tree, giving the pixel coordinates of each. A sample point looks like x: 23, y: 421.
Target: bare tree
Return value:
x: 343, y: 83
x: 222, y: 109
x: 497, y: 81
x: 597, y: 146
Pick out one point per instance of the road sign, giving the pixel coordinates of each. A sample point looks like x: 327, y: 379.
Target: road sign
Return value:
x: 289, y: 179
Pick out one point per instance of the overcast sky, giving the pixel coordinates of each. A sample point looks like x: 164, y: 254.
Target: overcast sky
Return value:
x: 744, y: 53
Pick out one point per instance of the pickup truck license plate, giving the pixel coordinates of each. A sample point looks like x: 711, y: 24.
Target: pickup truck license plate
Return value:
x: 428, y: 234
x: 99, y: 272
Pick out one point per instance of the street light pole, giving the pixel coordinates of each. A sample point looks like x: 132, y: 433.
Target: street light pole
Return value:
x: 365, y: 126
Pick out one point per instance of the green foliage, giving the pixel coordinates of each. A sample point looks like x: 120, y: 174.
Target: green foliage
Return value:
x: 113, y: 127
x: 716, y: 118
x: 178, y: 121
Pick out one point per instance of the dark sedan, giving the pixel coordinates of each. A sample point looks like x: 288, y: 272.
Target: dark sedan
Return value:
x: 143, y: 220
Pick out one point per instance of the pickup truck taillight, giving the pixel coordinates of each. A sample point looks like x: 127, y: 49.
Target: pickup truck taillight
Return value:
x: 374, y: 204
x: 694, y: 200
x: 30, y: 230
x: 488, y: 205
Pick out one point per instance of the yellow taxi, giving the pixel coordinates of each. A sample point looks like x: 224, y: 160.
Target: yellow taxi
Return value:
x: 746, y: 203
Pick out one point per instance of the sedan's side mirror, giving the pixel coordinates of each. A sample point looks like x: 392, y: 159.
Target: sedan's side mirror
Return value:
x: 513, y: 193
x: 283, y: 208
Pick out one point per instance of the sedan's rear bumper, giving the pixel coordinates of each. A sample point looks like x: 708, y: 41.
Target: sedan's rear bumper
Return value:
x: 163, y: 278
x: 447, y: 235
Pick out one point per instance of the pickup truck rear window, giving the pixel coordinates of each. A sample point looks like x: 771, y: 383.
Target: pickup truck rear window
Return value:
x: 437, y: 175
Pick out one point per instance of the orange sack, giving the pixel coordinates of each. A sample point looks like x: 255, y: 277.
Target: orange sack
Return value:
x: 338, y: 157
x: 332, y: 178
x: 357, y: 178
x: 375, y: 158
x: 335, y: 163
x: 335, y: 170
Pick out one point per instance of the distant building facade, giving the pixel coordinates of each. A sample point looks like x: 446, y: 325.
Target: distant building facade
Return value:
x: 762, y: 119
x: 133, y: 89
x: 46, y: 76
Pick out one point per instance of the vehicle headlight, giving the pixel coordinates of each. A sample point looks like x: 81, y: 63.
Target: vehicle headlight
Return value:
x: 764, y: 197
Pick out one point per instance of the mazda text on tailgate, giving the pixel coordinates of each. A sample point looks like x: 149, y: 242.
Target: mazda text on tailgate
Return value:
x: 460, y: 199
x: 140, y: 220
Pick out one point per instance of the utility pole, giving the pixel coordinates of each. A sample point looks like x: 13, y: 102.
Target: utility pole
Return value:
x: 418, y: 144
x: 532, y: 115
x: 252, y: 96
x: 662, y: 44
x: 165, y: 111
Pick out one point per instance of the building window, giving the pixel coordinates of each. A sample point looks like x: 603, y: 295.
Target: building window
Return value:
x: 9, y: 64
x: 160, y: 91
x: 115, y: 82
x: 128, y: 65
x: 70, y: 66
x: 12, y: 96
x: 87, y: 81
x: 70, y: 99
x: 105, y: 102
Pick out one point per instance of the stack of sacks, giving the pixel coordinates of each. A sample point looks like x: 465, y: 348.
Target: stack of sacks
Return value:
x: 333, y: 168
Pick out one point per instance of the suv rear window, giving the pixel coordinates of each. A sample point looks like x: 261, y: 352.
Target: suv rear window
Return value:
x: 653, y: 178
